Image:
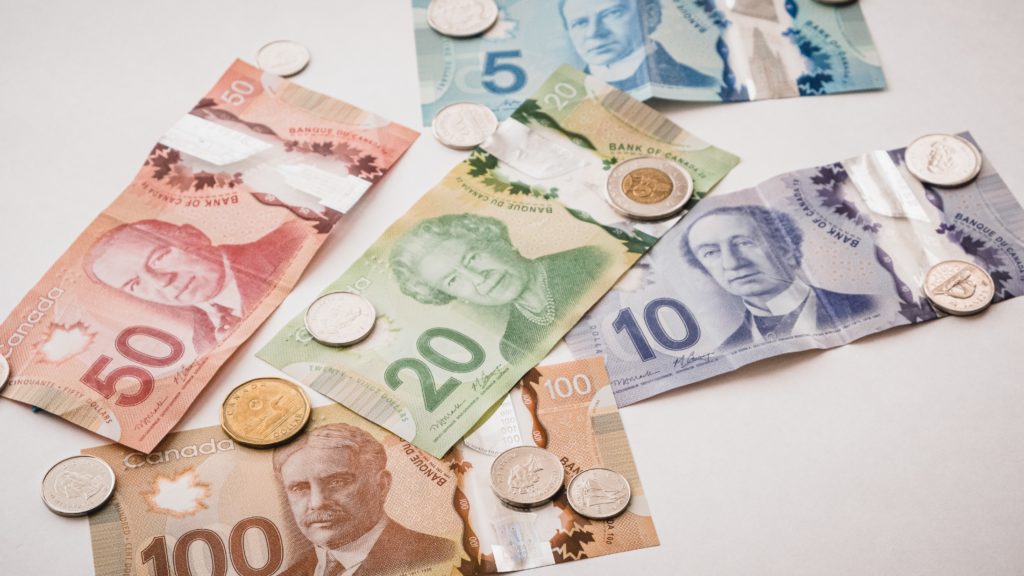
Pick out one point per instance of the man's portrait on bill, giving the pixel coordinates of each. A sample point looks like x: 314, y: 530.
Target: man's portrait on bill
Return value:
x: 610, y: 36
x: 754, y: 253
x: 178, y: 268
x: 472, y: 259
x: 336, y: 482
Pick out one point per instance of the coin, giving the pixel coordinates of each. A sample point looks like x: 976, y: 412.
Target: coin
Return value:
x: 340, y: 318
x: 78, y: 485
x: 943, y: 160
x: 649, y: 188
x: 462, y: 18
x: 283, y: 58
x: 265, y: 412
x: 5, y: 372
x: 464, y: 125
x: 526, y: 476
x: 959, y: 288
x: 598, y: 493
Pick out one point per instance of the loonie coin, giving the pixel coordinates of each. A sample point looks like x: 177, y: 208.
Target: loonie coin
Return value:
x: 464, y: 125
x: 78, y: 485
x: 959, y: 288
x: 598, y: 493
x: 265, y: 412
x: 943, y: 160
x: 283, y: 58
x: 649, y: 188
x: 340, y: 318
x: 5, y: 372
x: 462, y: 18
x: 526, y: 476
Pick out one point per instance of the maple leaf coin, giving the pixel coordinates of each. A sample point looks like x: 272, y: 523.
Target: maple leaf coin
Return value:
x: 598, y: 493
x: 959, y: 288
x: 462, y: 18
x: 943, y: 160
x: 526, y: 476
x: 648, y: 188
x: 5, y: 372
x: 340, y: 319
x: 78, y: 485
x: 265, y: 412
x: 283, y: 58
x: 464, y: 125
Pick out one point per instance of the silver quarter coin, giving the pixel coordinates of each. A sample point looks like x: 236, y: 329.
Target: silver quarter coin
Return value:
x: 959, y: 288
x: 283, y: 58
x: 649, y: 188
x: 462, y: 18
x: 340, y: 318
x: 598, y: 493
x: 78, y: 485
x: 464, y: 125
x: 943, y: 160
x: 526, y: 476
x: 5, y: 372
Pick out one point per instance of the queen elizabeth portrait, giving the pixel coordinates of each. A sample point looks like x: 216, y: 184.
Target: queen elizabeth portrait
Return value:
x: 471, y: 258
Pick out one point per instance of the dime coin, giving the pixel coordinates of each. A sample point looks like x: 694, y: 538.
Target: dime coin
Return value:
x: 462, y: 18
x: 649, y: 188
x: 464, y: 125
x: 340, y: 318
x: 283, y: 58
x: 265, y: 412
x: 959, y: 288
x: 78, y: 485
x: 943, y: 160
x: 598, y: 493
x: 526, y: 476
x: 5, y: 372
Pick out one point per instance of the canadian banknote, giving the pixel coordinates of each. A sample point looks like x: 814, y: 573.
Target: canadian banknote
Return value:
x: 132, y: 321
x: 696, y: 50
x: 201, y: 504
x: 810, y: 259
x: 486, y: 272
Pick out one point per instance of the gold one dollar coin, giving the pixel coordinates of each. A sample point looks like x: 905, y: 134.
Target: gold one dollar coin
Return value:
x: 265, y: 412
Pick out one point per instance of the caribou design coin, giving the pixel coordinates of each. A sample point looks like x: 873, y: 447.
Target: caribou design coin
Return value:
x: 526, y: 476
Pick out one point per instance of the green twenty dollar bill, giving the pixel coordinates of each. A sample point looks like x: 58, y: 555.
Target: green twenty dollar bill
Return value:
x: 482, y: 277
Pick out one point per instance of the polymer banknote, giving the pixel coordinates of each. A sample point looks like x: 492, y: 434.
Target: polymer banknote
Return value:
x: 694, y: 50
x: 486, y: 272
x: 132, y: 321
x: 349, y: 497
x: 814, y: 258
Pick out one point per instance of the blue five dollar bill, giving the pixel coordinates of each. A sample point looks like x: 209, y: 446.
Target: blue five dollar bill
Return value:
x: 694, y: 50
x: 810, y: 259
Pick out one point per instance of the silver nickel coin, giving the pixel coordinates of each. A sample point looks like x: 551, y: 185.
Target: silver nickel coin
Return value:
x: 283, y: 58
x: 464, y: 125
x: 78, y: 485
x: 5, y: 372
x: 959, y: 288
x: 526, y: 476
x: 462, y: 18
x: 340, y: 318
x: 598, y: 493
x: 943, y: 160
x: 648, y: 188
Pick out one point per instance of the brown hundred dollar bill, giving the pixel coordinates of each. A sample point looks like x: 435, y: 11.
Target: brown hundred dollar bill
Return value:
x: 348, y: 497
x: 128, y: 326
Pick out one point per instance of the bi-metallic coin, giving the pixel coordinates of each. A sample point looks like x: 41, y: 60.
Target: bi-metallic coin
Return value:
x: 78, y: 485
x: 5, y: 372
x: 464, y: 125
x: 265, y: 412
x: 283, y: 58
x: 462, y: 18
x: 526, y: 476
x: 340, y: 318
x: 649, y: 188
x: 943, y: 160
x: 598, y: 493
x: 959, y: 288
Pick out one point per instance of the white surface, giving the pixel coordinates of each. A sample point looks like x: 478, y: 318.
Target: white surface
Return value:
x: 899, y: 454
